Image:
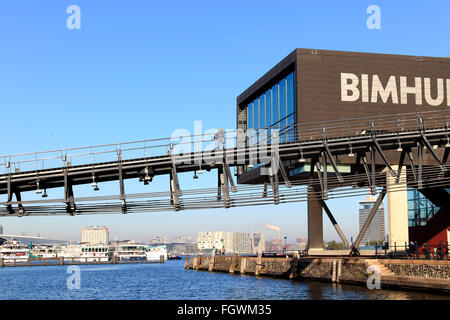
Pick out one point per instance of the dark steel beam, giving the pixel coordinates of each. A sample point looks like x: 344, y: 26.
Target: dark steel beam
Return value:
x: 334, y: 223
x: 377, y: 146
x: 330, y: 156
x: 68, y: 195
x: 369, y: 219
x: 400, y: 165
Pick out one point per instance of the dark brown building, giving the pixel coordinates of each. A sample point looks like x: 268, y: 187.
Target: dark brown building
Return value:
x: 332, y: 85
x: 322, y: 85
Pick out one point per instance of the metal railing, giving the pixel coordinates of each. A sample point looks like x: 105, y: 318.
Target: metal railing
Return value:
x: 304, y: 132
x: 414, y: 250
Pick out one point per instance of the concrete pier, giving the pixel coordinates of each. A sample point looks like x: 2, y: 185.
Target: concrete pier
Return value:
x: 431, y: 275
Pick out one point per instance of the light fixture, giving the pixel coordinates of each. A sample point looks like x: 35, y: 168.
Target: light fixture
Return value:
x: 351, y: 154
x: 94, y: 184
x: 250, y: 165
x: 363, y: 132
x: 200, y: 171
x: 148, y: 178
x: 38, y: 190
x: 435, y: 147
x: 301, y: 160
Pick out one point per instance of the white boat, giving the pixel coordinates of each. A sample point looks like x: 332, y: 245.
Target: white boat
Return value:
x: 70, y: 252
x: 130, y: 252
x: 154, y: 253
x: 86, y: 253
x: 44, y: 252
x: 13, y: 250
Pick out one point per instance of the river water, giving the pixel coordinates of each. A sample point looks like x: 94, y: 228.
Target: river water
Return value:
x: 169, y: 281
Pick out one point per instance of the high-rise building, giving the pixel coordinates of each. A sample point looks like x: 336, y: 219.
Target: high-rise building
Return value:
x: 205, y: 240
x: 223, y: 239
x: 95, y: 235
x: 215, y: 240
x: 242, y: 242
x: 258, y: 243
x: 375, y: 231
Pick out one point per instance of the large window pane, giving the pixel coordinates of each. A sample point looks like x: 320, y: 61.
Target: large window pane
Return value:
x: 268, y: 121
x: 290, y: 108
x: 290, y: 93
x: 250, y: 115
x: 261, y: 111
x: 275, y: 113
x: 282, y: 104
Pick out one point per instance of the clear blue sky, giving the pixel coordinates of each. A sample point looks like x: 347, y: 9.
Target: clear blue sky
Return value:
x: 141, y: 69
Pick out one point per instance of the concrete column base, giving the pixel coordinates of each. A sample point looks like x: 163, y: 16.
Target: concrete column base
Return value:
x: 397, y: 203
x: 315, y: 222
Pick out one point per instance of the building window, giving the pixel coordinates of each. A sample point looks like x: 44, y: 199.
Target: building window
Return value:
x: 420, y: 209
x: 275, y: 109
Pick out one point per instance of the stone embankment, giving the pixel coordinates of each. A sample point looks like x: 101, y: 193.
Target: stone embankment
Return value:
x: 405, y: 274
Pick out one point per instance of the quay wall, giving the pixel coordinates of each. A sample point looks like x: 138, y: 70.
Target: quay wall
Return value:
x: 405, y: 274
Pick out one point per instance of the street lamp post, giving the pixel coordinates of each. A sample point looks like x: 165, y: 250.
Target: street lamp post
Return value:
x: 285, y: 245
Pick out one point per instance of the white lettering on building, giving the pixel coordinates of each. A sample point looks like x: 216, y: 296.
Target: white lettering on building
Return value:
x: 401, y: 90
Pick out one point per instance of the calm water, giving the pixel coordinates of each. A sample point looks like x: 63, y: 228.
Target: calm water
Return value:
x: 170, y: 281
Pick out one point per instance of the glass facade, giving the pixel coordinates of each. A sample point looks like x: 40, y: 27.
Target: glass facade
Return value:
x: 420, y: 209
x: 275, y: 109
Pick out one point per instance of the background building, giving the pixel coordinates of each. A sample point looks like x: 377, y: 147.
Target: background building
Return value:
x: 242, y: 242
x: 179, y: 249
x: 159, y: 240
x: 205, y: 240
x: 223, y: 239
x: 376, y: 231
x: 180, y: 239
x: 258, y: 243
x: 95, y: 235
x: 231, y: 241
x: 1, y: 229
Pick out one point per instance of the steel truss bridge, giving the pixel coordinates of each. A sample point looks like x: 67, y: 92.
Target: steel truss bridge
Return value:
x: 420, y: 143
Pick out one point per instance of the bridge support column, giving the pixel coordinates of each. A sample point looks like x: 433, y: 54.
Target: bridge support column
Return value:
x: 315, y: 222
x: 397, y: 203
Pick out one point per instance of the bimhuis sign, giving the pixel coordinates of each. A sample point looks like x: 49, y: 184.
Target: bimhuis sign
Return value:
x: 421, y: 91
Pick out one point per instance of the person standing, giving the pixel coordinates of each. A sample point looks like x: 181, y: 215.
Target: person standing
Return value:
x: 220, y: 141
